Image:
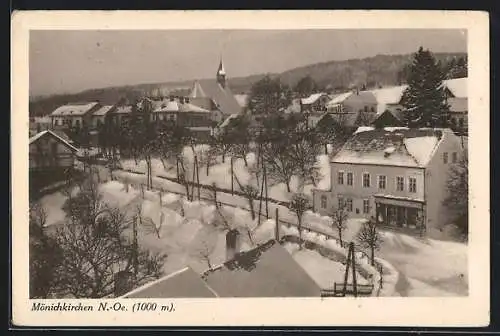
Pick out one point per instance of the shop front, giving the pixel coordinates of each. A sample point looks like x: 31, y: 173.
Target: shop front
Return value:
x: 400, y: 214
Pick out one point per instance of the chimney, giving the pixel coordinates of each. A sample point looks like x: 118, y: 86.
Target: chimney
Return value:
x: 232, y: 244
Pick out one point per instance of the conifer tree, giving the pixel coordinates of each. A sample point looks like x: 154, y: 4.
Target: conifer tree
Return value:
x: 424, y: 100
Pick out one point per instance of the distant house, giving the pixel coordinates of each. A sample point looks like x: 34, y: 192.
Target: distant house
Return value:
x: 48, y: 152
x: 397, y: 175
x: 121, y: 114
x: 314, y: 107
x: 268, y: 270
x: 200, y: 120
x: 99, y: 116
x: 457, y: 98
x: 242, y: 99
x: 218, y: 91
x: 75, y: 115
x: 353, y: 108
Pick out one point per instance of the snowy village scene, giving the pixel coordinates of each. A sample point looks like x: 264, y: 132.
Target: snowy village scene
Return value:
x: 248, y: 164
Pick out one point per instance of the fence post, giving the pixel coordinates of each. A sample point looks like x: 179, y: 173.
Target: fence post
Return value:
x: 277, y: 228
x: 232, y: 177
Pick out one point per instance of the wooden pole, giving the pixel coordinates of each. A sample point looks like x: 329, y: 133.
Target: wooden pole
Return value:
x: 193, y: 179
x: 177, y: 166
x: 265, y: 181
x: 353, y: 260
x: 346, y: 274
x: 260, y: 200
x: 215, y: 195
x: 277, y: 229
x: 198, y: 176
x: 232, y: 177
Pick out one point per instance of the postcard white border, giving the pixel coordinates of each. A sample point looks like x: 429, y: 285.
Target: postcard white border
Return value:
x: 470, y: 311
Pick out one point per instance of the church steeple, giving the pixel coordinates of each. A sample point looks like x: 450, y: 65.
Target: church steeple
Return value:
x: 221, y: 74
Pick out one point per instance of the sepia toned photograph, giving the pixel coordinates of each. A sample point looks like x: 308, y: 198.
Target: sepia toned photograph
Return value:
x: 248, y: 163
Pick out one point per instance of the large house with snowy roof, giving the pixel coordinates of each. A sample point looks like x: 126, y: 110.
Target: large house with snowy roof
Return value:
x: 397, y: 175
x: 75, y: 115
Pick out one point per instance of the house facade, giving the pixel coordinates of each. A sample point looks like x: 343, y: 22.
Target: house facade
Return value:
x: 396, y: 175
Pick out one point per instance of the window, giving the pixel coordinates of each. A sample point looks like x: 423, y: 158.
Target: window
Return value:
x: 372, y: 109
x: 340, y: 177
x: 454, y: 157
x: 323, y: 202
x: 56, y: 122
x: 366, y: 109
x: 349, y: 179
x: 412, y: 187
x: 341, y: 202
x: 400, y: 183
x: 381, y: 181
x: 77, y: 122
x: 366, y: 206
x: 366, y: 180
x: 461, y: 122
x: 445, y: 157
x: 349, y: 204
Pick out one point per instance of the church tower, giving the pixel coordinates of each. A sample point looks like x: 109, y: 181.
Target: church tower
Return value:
x: 221, y: 74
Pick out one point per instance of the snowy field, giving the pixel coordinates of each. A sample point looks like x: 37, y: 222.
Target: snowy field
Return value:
x: 429, y: 267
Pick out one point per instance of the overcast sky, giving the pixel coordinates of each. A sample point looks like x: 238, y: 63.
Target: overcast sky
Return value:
x: 71, y: 61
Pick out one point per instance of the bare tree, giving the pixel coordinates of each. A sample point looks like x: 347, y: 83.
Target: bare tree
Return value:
x: 44, y: 254
x: 299, y: 204
x: 250, y: 192
x: 203, y: 244
x: 97, y: 246
x: 369, y: 237
x: 457, y: 199
x: 339, y: 220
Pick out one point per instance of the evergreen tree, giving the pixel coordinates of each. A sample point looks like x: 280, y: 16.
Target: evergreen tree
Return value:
x: 306, y: 86
x: 269, y: 96
x: 424, y: 100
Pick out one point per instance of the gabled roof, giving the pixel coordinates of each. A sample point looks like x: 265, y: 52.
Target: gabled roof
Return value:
x: 167, y: 105
x: 103, y: 110
x: 312, y: 98
x: 38, y: 136
x: 242, y: 99
x: 339, y: 98
x: 457, y: 86
x: 388, y: 96
x: 266, y: 271
x: 222, y: 96
x: 391, y: 146
x: 74, y: 109
x: 184, y: 283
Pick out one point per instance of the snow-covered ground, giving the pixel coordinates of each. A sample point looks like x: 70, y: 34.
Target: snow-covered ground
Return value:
x: 429, y: 267
x: 324, y: 271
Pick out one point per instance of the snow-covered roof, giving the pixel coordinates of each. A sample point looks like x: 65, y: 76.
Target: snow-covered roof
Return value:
x: 74, y: 109
x: 458, y: 104
x: 242, y: 99
x: 393, y: 146
x: 312, y: 98
x: 167, y: 105
x: 185, y: 283
x: 123, y: 109
x: 38, y: 136
x: 457, y: 86
x: 103, y: 110
x: 388, y: 96
x: 339, y: 98
x: 228, y: 120
x: 269, y: 270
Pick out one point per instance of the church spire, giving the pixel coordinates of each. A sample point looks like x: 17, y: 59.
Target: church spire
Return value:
x: 221, y: 74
